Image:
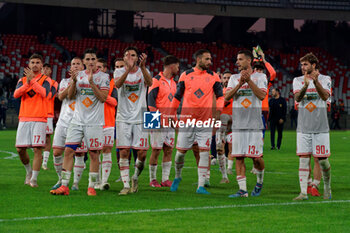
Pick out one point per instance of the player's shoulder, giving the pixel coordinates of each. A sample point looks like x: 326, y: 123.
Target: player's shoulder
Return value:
x: 260, y: 75
x: 235, y: 76
x: 157, y: 77
x: 103, y: 74
x: 299, y: 79
x: 211, y: 72
x: 118, y: 72
x: 189, y: 71
x: 324, y: 77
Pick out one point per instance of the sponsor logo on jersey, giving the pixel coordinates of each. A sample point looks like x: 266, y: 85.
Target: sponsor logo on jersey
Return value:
x: 85, y: 91
x: 311, y: 96
x: 244, y: 93
x: 87, y: 102
x: 133, y: 97
x: 310, y: 107
x: 246, y: 103
x: 134, y: 87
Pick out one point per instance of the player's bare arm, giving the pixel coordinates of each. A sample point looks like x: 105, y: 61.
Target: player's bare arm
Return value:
x: 146, y: 75
x: 256, y: 90
x: 100, y: 94
x: 320, y: 90
x: 300, y: 95
x: 63, y: 94
x: 129, y: 66
x: 72, y: 88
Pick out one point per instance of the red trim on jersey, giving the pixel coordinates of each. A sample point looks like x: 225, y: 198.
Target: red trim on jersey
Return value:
x: 321, y: 156
x: 305, y: 153
x: 204, y: 148
x: 253, y: 156
x: 123, y: 147
x: 140, y: 148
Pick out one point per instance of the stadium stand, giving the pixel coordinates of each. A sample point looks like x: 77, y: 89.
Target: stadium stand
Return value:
x: 17, y: 49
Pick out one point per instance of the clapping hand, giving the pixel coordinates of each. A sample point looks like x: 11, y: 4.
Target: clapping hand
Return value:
x: 29, y: 74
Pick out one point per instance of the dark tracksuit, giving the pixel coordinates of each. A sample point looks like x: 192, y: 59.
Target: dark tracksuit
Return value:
x: 278, y: 110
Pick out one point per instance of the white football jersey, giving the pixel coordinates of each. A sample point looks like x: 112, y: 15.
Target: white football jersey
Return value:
x: 312, y: 116
x: 67, y: 107
x: 89, y: 110
x: 246, y: 106
x: 131, y: 97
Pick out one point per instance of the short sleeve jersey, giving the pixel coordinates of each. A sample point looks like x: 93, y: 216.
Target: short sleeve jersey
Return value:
x: 246, y: 106
x: 161, y: 93
x: 131, y: 97
x: 67, y: 107
x: 89, y: 110
x: 198, y: 88
x: 312, y: 116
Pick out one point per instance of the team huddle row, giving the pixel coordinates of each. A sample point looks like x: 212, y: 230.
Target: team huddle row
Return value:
x: 96, y: 110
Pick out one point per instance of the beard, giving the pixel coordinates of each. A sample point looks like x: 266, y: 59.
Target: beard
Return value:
x: 204, y: 67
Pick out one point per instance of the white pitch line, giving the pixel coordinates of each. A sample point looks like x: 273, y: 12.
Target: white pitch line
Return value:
x: 13, y: 154
x: 173, y: 210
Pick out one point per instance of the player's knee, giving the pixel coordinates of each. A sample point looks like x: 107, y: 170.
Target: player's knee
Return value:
x: 37, y: 150
x: 21, y: 151
x: 107, y: 150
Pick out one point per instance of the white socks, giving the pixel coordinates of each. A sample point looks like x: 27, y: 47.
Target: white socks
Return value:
x: 316, y: 183
x: 28, y: 168
x: 179, y: 163
x: 66, y: 177
x: 34, y: 176
x: 78, y: 168
x: 92, y: 179
x: 326, y: 174
x: 259, y: 176
x: 46, y: 156
x: 106, y: 166
x: 57, y: 163
x: 124, y: 172
x: 166, y: 167
x: 139, y: 165
x: 152, y: 172
x: 303, y: 174
x: 203, y: 167
x: 229, y: 164
x: 222, y: 165
x: 242, y: 182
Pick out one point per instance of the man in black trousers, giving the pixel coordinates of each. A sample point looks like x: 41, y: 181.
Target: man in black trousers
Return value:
x: 277, y: 117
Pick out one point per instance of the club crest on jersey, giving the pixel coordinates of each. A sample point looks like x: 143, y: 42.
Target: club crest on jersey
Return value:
x: 199, y: 93
x: 170, y: 97
x: 98, y: 79
x: 207, y: 79
x: 31, y: 93
x: 151, y: 120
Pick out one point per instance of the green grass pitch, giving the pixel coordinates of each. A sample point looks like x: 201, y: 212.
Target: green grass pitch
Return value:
x: 26, y: 209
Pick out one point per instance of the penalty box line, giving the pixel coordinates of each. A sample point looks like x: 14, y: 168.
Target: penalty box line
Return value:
x: 173, y: 210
